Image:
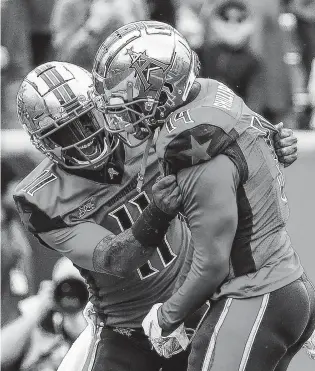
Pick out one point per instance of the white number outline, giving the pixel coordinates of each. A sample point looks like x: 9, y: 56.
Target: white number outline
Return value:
x: 39, y: 182
x: 134, y: 202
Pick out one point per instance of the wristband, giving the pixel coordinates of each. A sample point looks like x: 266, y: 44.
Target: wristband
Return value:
x: 151, y: 226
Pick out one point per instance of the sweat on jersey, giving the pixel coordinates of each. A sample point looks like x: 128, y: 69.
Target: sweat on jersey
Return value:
x: 70, y: 208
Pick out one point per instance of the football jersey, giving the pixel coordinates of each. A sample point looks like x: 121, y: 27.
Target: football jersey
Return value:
x: 50, y: 198
x: 218, y: 122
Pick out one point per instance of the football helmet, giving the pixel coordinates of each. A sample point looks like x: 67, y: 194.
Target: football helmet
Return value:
x: 56, y: 108
x: 142, y: 72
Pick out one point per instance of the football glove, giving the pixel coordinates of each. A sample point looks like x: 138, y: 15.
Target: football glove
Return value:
x: 310, y: 346
x: 165, y: 346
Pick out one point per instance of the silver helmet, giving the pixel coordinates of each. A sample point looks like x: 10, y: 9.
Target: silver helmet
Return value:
x: 142, y: 72
x: 55, y: 106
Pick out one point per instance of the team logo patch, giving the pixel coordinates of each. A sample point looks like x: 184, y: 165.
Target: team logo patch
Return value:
x: 85, y: 208
x: 112, y: 173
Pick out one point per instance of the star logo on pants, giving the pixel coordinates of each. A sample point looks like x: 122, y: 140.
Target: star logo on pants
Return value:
x: 198, y: 151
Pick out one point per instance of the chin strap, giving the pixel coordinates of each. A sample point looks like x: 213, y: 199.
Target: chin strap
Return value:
x: 151, y: 140
x: 161, y: 167
x: 144, y: 163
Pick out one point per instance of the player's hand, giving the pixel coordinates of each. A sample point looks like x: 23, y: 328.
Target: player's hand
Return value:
x: 285, y: 143
x: 309, y: 346
x: 165, y: 346
x: 166, y: 194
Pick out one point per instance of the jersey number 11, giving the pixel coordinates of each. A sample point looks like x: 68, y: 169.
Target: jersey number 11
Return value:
x: 125, y: 221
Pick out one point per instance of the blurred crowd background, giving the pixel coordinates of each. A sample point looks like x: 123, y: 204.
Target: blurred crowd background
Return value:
x: 262, y: 49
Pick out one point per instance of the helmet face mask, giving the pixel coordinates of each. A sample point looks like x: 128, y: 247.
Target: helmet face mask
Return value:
x: 127, y: 121
x: 142, y: 72
x: 78, y: 140
x: 56, y: 108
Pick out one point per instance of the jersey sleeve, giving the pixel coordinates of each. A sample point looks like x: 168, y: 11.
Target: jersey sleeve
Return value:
x: 209, y: 194
x: 34, y: 219
x: 193, y: 137
x: 77, y: 242
x: 87, y: 244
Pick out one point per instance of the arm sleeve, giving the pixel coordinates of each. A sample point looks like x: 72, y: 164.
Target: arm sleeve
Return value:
x: 77, y: 242
x: 209, y: 194
x: 93, y: 247
x: 185, y: 267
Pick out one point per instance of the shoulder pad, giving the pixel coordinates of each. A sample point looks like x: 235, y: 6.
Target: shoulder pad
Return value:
x: 193, y: 136
x: 47, y: 194
x: 34, y: 219
x: 35, y: 188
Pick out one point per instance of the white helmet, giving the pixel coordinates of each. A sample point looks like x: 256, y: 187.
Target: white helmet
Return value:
x: 56, y: 108
x: 143, y: 71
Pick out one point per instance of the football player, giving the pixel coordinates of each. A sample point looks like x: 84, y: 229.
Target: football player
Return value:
x: 82, y: 201
x: 233, y: 198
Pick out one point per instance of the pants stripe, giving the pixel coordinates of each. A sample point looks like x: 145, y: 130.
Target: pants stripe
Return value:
x: 210, y: 349
x: 253, y: 332
x: 88, y: 365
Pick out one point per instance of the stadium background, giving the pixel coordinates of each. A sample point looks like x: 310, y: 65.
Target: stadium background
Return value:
x: 28, y: 40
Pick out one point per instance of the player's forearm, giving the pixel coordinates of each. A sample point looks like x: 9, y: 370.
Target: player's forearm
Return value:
x: 198, y: 287
x: 122, y: 254
x: 185, y: 267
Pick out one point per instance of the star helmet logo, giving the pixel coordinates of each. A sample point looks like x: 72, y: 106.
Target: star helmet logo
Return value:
x: 149, y: 70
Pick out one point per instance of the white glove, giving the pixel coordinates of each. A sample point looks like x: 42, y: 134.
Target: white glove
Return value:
x: 310, y: 346
x: 165, y: 346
